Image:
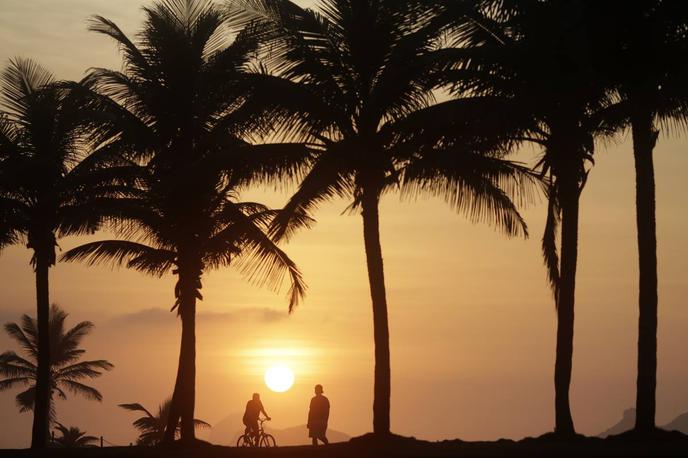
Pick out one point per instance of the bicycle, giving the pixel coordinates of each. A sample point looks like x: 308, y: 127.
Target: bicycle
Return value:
x: 261, y: 439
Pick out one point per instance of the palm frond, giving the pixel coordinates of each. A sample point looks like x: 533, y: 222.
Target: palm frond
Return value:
x: 13, y: 365
x: 26, y: 399
x: 105, y: 26
x: 260, y: 259
x: 481, y: 187
x: 549, y: 244
x: 83, y: 390
x: 27, y: 342
x: 83, y: 369
x: 136, y: 407
x: 9, y: 383
x: 135, y: 255
x: 21, y: 80
x: 66, y: 349
x: 327, y: 179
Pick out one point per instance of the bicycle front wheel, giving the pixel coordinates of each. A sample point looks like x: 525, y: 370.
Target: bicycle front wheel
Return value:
x: 244, y: 441
x: 268, y: 440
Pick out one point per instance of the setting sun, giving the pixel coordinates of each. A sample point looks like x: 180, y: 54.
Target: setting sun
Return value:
x: 279, y: 378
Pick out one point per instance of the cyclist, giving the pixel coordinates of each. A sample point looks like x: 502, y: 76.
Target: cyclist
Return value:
x: 253, y: 410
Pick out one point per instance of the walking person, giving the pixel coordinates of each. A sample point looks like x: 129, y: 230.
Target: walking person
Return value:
x: 318, y: 414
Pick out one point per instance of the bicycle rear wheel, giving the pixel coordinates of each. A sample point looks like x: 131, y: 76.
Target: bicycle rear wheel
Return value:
x: 245, y: 441
x: 268, y: 440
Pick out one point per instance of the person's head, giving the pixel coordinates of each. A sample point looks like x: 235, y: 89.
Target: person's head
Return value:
x: 256, y: 397
x: 318, y: 389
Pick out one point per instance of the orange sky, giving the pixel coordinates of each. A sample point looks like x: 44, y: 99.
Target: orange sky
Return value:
x: 471, y: 318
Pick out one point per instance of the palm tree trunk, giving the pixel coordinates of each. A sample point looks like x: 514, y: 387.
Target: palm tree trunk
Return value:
x: 376, y: 278
x: 184, y: 396
x: 565, y: 306
x: 644, y: 139
x: 41, y: 411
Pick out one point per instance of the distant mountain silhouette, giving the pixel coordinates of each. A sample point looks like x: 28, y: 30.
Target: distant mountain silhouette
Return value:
x: 679, y: 423
x: 626, y: 423
x: 228, y: 430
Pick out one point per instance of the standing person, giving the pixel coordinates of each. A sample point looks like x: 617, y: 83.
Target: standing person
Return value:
x: 254, y: 408
x: 318, y: 414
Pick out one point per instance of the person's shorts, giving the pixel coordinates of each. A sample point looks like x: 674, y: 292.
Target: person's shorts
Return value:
x: 251, y: 426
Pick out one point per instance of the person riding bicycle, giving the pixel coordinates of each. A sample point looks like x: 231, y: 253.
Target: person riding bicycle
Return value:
x: 253, y: 410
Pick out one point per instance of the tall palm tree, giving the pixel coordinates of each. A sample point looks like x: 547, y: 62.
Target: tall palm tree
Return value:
x: 66, y: 369
x: 72, y: 437
x: 638, y: 45
x: 347, y: 77
x: 532, y: 57
x: 152, y: 427
x: 178, y: 111
x: 46, y: 189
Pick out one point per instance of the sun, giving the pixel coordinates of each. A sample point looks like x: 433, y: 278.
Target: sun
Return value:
x: 279, y: 378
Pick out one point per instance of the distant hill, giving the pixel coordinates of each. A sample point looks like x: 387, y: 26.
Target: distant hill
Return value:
x: 627, y: 422
x: 228, y: 430
x: 679, y: 423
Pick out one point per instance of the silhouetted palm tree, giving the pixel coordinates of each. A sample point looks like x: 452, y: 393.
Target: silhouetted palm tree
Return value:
x: 533, y: 58
x: 638, y: 45
x: 152, y: 427
x: 46, y: 189
x: 66, y: 371
x: 178, y: 108
x: 349, y: 78
x: 73, y: 437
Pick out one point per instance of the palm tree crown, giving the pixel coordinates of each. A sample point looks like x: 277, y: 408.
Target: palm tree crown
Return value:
x: 66, y: 371
x: 48, y: 187
x: 352, y: 78
x: 178, y: 111
x: 638, y: 56
x: 151, y: 427
x: 535, y: 59
x: 45, y: 178
x: 73, y: 437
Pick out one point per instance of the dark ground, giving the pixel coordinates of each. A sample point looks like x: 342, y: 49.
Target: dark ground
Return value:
x: 672, y: 444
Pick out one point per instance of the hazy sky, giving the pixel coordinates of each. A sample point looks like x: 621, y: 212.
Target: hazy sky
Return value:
x: 471, y: 318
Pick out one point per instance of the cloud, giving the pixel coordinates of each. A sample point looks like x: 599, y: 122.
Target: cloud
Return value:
x: 11, y: 314
x: 164, y: 316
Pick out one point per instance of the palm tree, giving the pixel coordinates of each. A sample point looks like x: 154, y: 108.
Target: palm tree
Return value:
x: 46, y: 186
x: 66, y: 371
x: 638, y: 52
x: 178, y: 111
x: 349, y: 77
x: 73, y: 437
x: 152, y: 427
x: 532, y: 57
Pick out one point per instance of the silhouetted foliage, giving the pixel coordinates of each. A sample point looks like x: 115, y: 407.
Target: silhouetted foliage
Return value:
x: 178, y: 109
x: 152, y: 427
x: 351, y: 78
x: 639, y: 53
x: 47, y: 187
x: 535, y: 59
x: 72, y: 437
x: 66, y: 371
x: 351, y: 90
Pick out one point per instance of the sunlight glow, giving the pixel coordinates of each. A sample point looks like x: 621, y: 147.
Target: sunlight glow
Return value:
x: 279, y: 378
